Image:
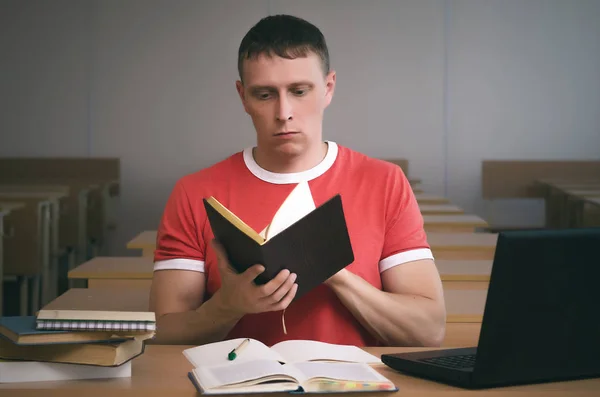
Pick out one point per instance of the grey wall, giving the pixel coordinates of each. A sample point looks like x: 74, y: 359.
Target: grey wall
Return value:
x: 442, y: 83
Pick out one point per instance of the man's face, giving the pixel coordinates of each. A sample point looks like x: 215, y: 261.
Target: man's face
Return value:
x: 286, y: 99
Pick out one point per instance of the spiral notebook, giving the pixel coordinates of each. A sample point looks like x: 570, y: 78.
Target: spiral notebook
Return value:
x: 81, y: 309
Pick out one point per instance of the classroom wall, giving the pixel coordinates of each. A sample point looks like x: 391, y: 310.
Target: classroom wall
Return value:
x: 445, y: 84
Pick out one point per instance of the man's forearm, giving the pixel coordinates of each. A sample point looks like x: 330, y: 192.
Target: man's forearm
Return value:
x: 209, y: 323
x: 395, y: 320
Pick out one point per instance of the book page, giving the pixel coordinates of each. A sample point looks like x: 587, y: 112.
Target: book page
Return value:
x: 355, y: 372
x: 217, y: 353
x: 241, y: 374
x: 308, y: 350
x: 298, y: 204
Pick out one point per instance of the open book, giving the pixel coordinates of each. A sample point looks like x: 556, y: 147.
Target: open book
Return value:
x: 300, y: 366
x: 312, y: 242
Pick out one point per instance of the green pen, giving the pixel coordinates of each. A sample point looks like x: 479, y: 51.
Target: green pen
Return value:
x: 234, y: 353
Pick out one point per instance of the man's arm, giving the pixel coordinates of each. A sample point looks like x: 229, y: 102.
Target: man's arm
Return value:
x: 182, y: 317
x: 410, y: 311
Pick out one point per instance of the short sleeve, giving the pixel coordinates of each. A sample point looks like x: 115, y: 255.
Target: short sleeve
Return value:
x: 179, y: 244
x: 405, y: 237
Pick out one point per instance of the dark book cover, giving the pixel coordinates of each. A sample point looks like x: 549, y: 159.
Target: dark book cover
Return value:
x: 315, y: 247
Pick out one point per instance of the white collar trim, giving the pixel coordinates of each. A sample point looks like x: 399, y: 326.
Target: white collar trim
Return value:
x: 293, y: 177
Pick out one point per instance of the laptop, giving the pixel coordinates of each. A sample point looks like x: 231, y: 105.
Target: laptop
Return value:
x: 541, y: 321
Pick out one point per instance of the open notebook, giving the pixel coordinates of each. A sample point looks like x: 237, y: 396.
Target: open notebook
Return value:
x: 299, y: 366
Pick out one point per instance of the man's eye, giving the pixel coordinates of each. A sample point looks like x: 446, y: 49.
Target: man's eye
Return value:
x: 300, y: 92
x: 263, y: 95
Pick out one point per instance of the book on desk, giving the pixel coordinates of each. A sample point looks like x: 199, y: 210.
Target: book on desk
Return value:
x: 294, y: 366
x: 82, y: 334
x: 28, y: 354
x: 311, y: 241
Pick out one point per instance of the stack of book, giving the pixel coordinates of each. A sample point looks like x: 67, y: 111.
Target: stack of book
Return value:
x: 79, y: 335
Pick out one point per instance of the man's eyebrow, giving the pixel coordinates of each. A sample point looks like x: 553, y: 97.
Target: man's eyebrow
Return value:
x: 256, y: 88
x: 301, y: 83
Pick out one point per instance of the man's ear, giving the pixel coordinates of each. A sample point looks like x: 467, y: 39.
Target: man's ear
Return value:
x: 329, y: 87
x: 241, y: 92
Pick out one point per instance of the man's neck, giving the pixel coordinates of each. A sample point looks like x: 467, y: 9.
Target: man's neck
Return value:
x: 284, y: 164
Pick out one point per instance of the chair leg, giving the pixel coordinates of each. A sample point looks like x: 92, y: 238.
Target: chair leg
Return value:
x: 35, y: 294
x: 23, y: 301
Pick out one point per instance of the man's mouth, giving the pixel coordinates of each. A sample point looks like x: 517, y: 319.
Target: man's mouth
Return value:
x: 284, y: 133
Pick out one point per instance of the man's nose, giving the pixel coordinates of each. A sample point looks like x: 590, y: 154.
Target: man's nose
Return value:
x: 284, y: 109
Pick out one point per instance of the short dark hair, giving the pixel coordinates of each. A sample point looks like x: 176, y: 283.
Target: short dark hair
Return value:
x: 285, y: 36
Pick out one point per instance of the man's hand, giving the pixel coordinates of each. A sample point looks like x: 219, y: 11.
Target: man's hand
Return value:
x: 239, y: 295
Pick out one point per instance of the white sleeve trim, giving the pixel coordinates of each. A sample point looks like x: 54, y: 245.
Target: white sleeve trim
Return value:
x: 180, y: 264
x: 403, y: 257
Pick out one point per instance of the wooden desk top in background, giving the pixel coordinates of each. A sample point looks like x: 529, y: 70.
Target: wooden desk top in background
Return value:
x: 440, y: 209
x: 144, y: 240
x: 162, y: 371
x: 425, y: 198
x: 460, y: 219
x: 137, y: 267
x: 593, y: 200
x: 34, y: 188
x: 465, y: 270
x: 583, y: 193
x: 44, y: 195
x: 462, y: 241
x: 7, y: 207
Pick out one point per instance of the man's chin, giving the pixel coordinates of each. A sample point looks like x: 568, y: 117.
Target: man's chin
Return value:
x: 289, y: 148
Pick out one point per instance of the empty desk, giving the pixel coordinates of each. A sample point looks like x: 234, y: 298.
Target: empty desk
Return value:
x: 464, y: 274
x: 145, y: 241
x: 440, y: 209
x: 116, y: 272
x: 463, y: 223
x: 5, y: 209
x: 425, y: 198
x: 464, y: 246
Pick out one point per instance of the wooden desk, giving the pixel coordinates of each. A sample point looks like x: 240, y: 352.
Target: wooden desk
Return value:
x: 463, y: 223
x: 464, y: 305
x: 464, y: 274
x: 162, y: 371
x: 50, y: 198
x: 5, y: 209
x: 57, y: 196
x: 146, y: 241
x: 440, y: 209
x: 558, y: 206
x: 575, y: 205
x: 116, y: 272
x: 462, y: 246
x: 425, y: 198
x: 594, y: 201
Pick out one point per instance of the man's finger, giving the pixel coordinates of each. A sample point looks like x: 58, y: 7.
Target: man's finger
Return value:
x: 283, y: 289
x: 252, y: 272
x: 272, y: 286
x: 287, y: 299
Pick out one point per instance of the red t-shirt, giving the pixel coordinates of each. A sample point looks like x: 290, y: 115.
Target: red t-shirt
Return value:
x: 384, y: 223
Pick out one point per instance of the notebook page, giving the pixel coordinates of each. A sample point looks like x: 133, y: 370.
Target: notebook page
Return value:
x: 307, y: 350
x: 355, y: 372
x: 217, y: 353
x: 248, y: 371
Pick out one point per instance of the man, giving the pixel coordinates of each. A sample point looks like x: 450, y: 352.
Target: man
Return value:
x: 391, y: 294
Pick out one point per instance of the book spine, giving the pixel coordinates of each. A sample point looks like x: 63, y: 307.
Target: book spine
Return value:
x: 95, y: 325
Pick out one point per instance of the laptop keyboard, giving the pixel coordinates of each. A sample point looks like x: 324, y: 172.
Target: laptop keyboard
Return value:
x: 462, y: 361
